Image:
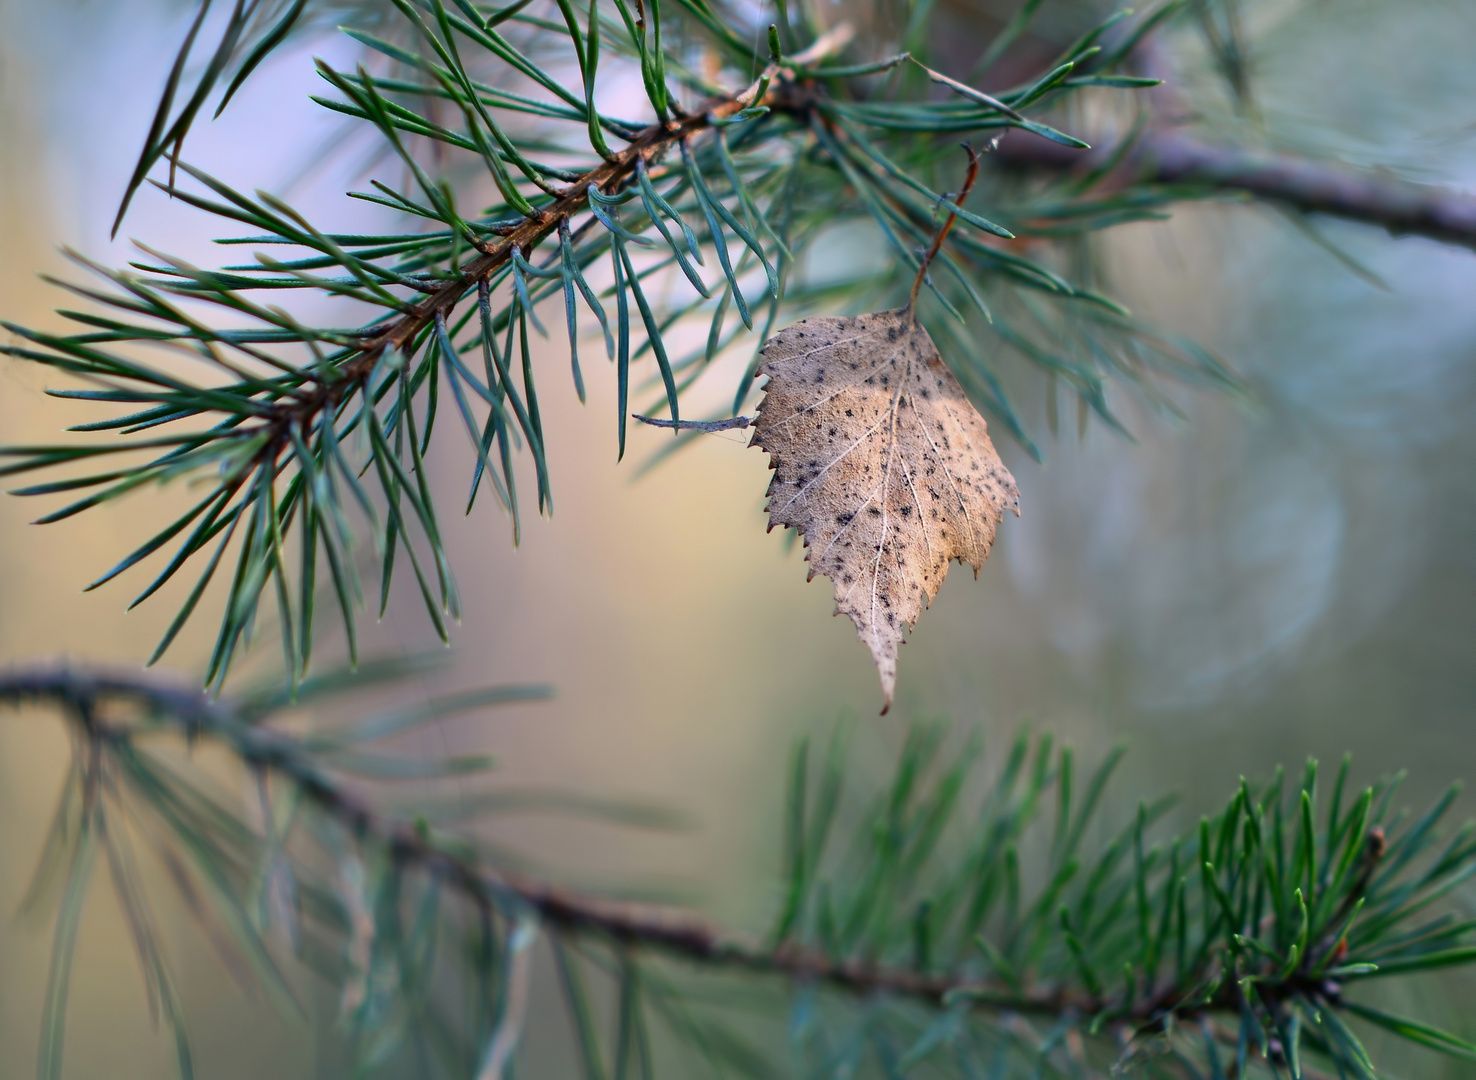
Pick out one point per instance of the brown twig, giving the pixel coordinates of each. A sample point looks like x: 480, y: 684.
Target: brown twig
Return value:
x: 942, y: 234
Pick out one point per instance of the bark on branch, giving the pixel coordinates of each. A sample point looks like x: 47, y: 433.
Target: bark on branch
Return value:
x: 1402, y: 207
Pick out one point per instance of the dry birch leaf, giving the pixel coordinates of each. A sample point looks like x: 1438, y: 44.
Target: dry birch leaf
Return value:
x: 883, y: 466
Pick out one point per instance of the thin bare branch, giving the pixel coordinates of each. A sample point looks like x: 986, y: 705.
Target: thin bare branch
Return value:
x: 1402, y: 207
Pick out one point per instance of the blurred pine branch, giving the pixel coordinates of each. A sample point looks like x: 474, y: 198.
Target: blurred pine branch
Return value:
x: 959, y: 918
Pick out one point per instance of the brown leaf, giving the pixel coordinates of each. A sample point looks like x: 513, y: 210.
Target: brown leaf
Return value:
x: 883, y: 466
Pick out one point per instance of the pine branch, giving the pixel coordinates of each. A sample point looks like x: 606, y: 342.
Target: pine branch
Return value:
x: 1292, y: 920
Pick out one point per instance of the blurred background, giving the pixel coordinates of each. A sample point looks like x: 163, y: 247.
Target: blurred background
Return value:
x: 1269, y: 578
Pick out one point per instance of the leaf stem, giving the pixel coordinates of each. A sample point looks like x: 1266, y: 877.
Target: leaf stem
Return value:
x: 942, y: 234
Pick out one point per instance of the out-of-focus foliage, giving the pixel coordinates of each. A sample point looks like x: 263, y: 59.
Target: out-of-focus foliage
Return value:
x: 964, y: 928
